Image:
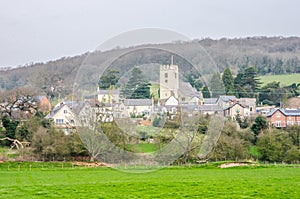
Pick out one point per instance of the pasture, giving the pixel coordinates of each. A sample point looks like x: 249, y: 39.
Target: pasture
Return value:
x: 43, y: 180
x: 285, y: 79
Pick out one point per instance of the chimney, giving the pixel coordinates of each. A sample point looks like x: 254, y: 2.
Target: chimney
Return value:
x: 281, y: 104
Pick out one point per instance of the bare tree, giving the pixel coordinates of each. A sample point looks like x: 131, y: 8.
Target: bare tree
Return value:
x: 16, y: 143
x: 18, y: 103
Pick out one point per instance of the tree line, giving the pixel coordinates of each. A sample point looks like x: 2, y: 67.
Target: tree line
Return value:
x: 246, y: 84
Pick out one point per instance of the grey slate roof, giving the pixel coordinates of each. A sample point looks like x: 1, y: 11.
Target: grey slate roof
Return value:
x: 234, y: 105
x: 54, y: 111
x: 210, y: 100
x: 286, y: 112
x: 227, y: 98
x: 210, y: 107
x: 74, y: 106
x: 185, y: 89
x: 138, y: 102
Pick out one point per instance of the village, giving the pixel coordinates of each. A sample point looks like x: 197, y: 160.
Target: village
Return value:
x: 174, y: 96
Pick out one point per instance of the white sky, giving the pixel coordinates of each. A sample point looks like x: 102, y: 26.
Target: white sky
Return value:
x: 35, y: 30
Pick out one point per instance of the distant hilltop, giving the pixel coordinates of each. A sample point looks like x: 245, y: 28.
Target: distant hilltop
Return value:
x: 270, y: 55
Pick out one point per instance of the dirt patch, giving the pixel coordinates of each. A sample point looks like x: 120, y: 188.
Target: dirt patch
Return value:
x: 90, y: 164
x: 236, y: 164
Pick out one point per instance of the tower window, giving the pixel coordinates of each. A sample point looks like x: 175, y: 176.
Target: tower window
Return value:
x: 166, y: 75
x: 166, y: 81
x: 175, y: 75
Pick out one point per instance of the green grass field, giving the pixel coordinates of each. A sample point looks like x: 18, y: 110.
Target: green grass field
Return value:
x: 142, y: 147
x: 285, y: 80
x: 174, y: 182
x: 154, y: 90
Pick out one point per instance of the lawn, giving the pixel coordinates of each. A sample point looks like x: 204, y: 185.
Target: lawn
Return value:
x: 285, y: 80
x: 174, y: 182
x: 142, y: 147
x: 154, y: 88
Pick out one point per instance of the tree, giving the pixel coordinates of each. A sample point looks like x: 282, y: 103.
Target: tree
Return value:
x: 158, y: 121
x: 228, y: 82
x: 206, y: 92
x: 10, y: 126
x: 142, y: 91
x: 203, y: 125
x: 18, y: 103
x: 109, y: 80
x: 274, y: 145
x: 260, y: 123
x: 194, y: 80
x: 243, y: 122
x: 272, y: 94
x: 247, y: 83
x: 137, y: 87
x: 294, y: 133
x: 216, y: 84
x: 231, y: 144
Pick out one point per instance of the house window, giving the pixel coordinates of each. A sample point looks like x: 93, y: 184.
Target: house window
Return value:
x: 166, y: 81
x: 65, y: 111
x: 278, y: 115
x: 278, y: 124
x: 59, y: 121
x: 166, y: 75
x: 175, y: 75
x: 251, y: 109
x: 298, y: 123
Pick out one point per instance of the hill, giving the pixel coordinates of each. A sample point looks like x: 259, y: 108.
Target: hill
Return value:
x: 275, y: 55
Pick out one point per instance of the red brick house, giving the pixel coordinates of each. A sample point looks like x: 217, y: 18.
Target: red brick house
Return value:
x: 44, y: 104
x: 284, y: 117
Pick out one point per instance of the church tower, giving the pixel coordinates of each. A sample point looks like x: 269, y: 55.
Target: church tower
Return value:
x: 169, y: 81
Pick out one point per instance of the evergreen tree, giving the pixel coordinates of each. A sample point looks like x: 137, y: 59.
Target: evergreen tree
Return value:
x: 272, y: 94
x: 194, y: 80
x: 206, y: 92
x: 228, y: 82
x: 247, y: 83
x: 111, y: 79
x: 217, y: 86
x: 260, y: 123
x: 137, y: 87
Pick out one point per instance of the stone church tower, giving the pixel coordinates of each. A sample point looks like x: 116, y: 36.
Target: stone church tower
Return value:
x: 169, y: 81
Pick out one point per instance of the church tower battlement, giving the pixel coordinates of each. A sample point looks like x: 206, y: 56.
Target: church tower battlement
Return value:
x: 169, y: 81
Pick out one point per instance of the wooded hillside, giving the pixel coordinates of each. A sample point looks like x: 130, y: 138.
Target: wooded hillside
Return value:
x: 275, y: 55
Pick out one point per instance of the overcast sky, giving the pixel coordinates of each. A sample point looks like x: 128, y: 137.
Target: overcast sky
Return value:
x: 35, y: 30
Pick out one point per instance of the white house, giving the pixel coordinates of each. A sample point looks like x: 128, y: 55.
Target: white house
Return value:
x: 63, y: 117
x: 108, y: 96
x: 139, y: 107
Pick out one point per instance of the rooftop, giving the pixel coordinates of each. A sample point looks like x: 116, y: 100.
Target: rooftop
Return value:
x: 138, y: 102
x: 286, y: 112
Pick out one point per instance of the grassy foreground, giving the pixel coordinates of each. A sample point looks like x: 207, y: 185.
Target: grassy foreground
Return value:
x: 182, y: 182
